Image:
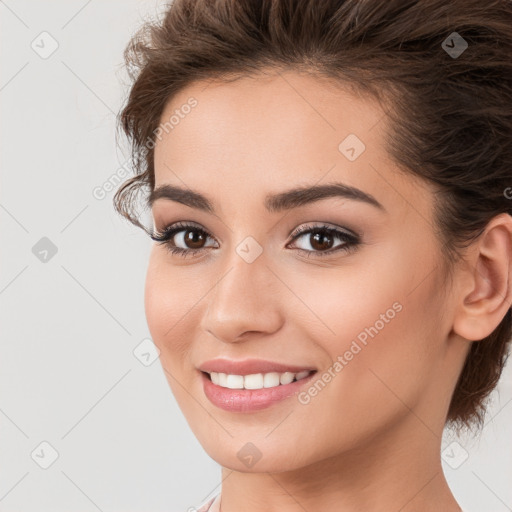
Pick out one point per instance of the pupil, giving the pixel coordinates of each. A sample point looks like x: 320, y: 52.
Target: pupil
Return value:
x: 194, y: 237
x: 319, y: 241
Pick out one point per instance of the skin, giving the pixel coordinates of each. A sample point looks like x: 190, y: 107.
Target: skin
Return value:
x: 371, y: 438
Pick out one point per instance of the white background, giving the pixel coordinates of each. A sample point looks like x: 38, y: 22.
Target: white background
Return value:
x: 69, y: 326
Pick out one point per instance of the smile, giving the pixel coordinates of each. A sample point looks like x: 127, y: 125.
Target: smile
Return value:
x: 256, y: 380
x: 267, y: 389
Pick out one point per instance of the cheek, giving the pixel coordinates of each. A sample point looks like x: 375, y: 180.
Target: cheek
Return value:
x: 378, y: 319
x: 169, y: 301
x: 157, y: 303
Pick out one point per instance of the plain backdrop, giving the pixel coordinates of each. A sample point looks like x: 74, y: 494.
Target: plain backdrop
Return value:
x: 86, y: 422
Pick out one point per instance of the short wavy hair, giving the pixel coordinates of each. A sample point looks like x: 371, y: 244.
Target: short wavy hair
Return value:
x: 449, y: 106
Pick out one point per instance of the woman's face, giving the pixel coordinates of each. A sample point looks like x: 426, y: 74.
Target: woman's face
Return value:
x: 364, y: 305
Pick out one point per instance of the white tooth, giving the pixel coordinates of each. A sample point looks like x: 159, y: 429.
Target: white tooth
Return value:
x: 286, y: 377
x: 270, y: 380
x: 235, y: 382
x: 253, y: 381
x: 256, y: 380
x: 301, y: 375
x: 223, y: 380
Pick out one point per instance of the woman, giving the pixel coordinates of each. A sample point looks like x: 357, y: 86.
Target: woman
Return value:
x: 329, y: 184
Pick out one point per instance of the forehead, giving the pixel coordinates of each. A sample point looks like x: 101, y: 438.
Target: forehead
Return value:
x: 295, y: 112
x: 270, y: 132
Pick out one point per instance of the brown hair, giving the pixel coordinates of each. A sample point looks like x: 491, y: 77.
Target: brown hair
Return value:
x: 450, y: 113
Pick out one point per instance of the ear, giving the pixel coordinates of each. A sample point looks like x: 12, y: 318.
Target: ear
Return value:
x: 486, y: 288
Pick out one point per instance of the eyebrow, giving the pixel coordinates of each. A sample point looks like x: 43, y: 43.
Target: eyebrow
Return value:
x: 286, y: 200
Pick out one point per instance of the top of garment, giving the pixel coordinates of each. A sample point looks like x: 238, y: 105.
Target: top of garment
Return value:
x: 212, y: 505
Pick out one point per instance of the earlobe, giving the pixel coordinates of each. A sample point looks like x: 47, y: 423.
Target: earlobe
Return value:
x: 486, y: 289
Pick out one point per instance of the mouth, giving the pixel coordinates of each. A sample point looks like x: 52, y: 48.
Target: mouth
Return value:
x: 256, y: 380
x: 253, y: 392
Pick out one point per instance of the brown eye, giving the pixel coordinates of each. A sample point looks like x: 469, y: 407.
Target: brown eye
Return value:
x: 194, y: 238
x: 320, y: 240
x: 183, y: 239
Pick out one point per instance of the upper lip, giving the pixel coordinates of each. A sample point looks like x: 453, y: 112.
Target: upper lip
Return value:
x: 249, y: 366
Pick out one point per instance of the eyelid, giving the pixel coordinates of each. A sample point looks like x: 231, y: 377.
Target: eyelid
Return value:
x: 350, y: 238
x: 181, y: 225
x: 323, y: 225
x: 302, y: 228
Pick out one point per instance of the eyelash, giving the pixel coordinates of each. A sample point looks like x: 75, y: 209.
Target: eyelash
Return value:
x: 165, y: 237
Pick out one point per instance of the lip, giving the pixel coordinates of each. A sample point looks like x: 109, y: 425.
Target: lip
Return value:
x: 249, y: 366
x: 249, y: 400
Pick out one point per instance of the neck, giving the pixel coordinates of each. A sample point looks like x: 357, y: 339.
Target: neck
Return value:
x: 392, y: 471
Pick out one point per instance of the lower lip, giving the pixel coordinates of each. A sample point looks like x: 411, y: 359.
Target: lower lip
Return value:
x: 249, y: 400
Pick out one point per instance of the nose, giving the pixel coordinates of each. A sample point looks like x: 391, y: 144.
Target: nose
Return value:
x: 245, y: 299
